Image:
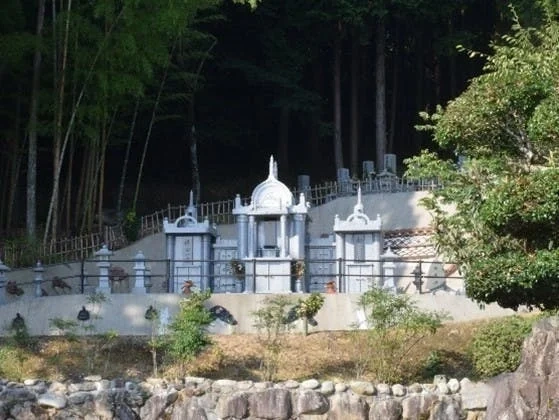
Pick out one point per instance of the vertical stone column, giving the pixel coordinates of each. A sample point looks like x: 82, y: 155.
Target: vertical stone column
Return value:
x: 251, y: 236
x: 104, y: 264
x: 147, y: 279
x: 242, y: 221
x: 171, y: 240
x: 299, y: 252
x: 340, y: 254
x: 388, y: 270
x: 3, y: 270
x: 138, y: 287
x: 283, y: 236
x: 205, y: 257
x: 38, y: 278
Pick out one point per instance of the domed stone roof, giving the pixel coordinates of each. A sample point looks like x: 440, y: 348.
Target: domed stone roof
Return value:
x: 271, y: 196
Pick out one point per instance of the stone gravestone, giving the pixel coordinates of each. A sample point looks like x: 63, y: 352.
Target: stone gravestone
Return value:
x: 390, y: 163
x: 368, y: 169
x: 344, y: 181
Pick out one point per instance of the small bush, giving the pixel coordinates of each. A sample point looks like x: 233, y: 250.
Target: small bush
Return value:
x: 188, y: 336
x: 496, y: 347
x: 395, y: 326
x: 271, y: 323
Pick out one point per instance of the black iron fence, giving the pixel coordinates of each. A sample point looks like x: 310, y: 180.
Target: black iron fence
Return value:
x: 257, y: 275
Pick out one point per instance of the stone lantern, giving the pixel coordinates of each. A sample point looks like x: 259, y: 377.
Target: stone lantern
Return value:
x: 3, y: 269
x: 103, y: 256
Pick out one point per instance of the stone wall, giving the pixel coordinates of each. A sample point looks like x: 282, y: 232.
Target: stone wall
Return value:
x: 204, y: 399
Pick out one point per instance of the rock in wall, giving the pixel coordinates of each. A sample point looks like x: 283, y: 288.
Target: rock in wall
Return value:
x: 532, y: 391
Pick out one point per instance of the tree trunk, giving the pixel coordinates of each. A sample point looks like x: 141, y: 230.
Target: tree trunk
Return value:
x: 69, y: 128
x: 394, y: 92
x: 380, y: 98
x: 283, y: 138
x: 337, y: 86
x: 354, y: 125
x: 15, y: 167
x: 81, y: 194
x: 68, y: 189
x: 193, y: 147
x: 31, y: 211
x: 126, y: 158
x: 314, y: 135
x: 191, y: 130
x: 148, y: 136
x: 57, y: 158
x: 419, y: 88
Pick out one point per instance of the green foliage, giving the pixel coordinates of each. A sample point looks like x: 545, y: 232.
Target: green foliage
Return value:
x: 270, y: 321
x: 498, y: 214
x: 395, y: 327
x: 65, y: 327
x: 432, y: 365
x: 308, y: 308
x: 497, y: 346
x: 131, y: 226
x: 188, y: 336
x: 510, y: 108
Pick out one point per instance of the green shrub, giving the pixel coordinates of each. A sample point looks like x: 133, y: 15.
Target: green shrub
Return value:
x: 271, y: 322
x: 394, y: 327
x: 131, y: 226
x: 496, y: 347
x: 188, y: 336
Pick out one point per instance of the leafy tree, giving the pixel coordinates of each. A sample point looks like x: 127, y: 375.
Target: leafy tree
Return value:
x: 395, y: 326
x: 503, y: 219
x: 188, y: 336
x: 271, y: 323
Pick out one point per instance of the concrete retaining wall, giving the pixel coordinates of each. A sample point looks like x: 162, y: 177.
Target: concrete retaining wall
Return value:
x: 125, y: 313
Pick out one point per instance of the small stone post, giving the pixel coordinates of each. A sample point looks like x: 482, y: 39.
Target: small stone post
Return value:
x: 104, y: 264
x: 139, y: 285
x: 388, y: 270
x: 38, y: 279
x: 147, y: 280
x: 3, y: 270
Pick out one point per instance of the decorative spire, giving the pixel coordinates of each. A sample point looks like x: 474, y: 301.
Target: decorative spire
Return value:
x: 359, y: 206
x: 191, y: 209
x: 272, y: 168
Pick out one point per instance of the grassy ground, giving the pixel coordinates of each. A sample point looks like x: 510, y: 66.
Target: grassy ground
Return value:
x: 322, y: 355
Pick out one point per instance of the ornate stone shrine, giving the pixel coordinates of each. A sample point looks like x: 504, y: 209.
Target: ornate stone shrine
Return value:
x: 270, y: 234
x: 358, y: 243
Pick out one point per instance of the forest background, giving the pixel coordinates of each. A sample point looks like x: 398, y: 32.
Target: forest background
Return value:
x: 125, y: 104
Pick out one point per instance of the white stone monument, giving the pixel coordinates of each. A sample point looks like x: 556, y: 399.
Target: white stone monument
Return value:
x: 359, y: 245
x: 189, y: 245
x: 270, y: 235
